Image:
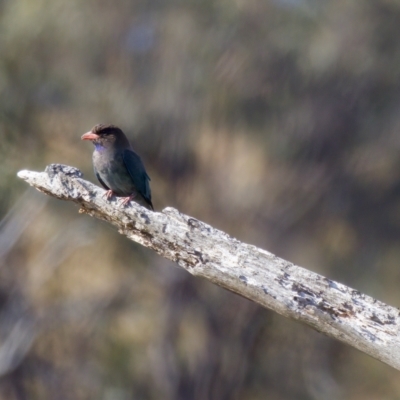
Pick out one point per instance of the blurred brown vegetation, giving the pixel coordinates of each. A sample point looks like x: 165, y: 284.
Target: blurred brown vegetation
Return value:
x: 277, y: 121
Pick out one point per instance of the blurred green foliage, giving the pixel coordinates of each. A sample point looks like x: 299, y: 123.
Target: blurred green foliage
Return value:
x: 277, y: 121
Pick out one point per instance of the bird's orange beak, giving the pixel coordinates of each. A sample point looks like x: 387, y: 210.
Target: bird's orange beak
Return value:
x: 89, y: 136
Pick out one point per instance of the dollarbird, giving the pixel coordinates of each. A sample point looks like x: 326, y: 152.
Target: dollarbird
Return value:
x: 117, y: 167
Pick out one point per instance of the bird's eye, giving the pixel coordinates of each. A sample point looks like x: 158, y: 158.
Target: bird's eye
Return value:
x: 105, y: 131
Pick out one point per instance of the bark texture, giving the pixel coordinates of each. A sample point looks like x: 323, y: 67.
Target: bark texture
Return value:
x: 328, y: 306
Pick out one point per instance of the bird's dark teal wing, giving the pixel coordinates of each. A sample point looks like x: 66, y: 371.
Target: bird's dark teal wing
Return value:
x: 138, y: 174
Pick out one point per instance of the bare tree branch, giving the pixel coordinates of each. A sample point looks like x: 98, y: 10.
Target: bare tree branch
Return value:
x: 328, y: 306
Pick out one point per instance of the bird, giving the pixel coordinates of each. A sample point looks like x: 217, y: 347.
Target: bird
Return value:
x: 117, y: 167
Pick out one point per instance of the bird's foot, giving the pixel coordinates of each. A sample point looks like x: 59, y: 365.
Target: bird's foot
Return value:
x: 108, y: 194
x: 128, y: 199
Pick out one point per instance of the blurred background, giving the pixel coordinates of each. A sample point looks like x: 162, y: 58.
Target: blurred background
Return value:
x: 277, y: 121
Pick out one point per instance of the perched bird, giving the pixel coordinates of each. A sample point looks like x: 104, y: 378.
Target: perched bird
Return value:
x: 117, y: 167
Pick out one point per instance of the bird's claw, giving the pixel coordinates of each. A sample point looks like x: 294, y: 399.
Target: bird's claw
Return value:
x: 128, y: 199
x: 108, y: 194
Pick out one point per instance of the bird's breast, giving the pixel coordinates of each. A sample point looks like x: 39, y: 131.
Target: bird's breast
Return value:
x: 112, y: 171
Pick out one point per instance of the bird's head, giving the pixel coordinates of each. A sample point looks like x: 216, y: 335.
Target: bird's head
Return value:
x: 106, y: 136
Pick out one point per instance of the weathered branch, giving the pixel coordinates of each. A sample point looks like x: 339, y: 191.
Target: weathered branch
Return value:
x: 329, y: 307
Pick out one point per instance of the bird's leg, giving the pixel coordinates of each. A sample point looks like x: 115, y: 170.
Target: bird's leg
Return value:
x: 128, y: 199
x: 108, y: 194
